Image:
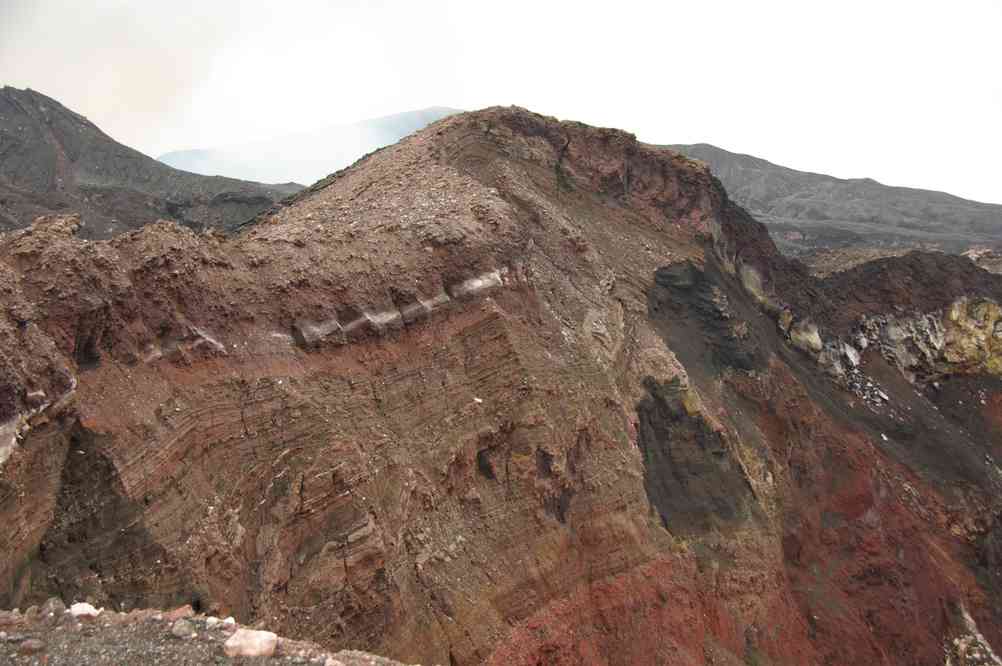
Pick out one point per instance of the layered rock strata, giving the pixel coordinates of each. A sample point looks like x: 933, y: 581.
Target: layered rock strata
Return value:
x: 513, y: 390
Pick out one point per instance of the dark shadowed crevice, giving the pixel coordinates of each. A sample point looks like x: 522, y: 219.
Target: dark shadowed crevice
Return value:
x: 690, y: 475
x: 96, y: 546
x: 485, y: 467
x: 558, y: 503
x: 684, y: 300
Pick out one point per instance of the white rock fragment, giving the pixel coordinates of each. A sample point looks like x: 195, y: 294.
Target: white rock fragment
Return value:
x: 229, y: 622
x: 8, y: 438
x: 83, y: 610
x: 477, y: 284
x: 211, y: 621
x: 851, y: 355
x: 805, y: 335
x: 251, y: 643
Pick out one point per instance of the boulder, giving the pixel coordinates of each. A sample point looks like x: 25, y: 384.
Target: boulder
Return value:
x: 178, y: 613
x: 182, y: 629
x: 84, y: 611
x: 851, y: 354
x: 804, y: 335
x: 251, y: 643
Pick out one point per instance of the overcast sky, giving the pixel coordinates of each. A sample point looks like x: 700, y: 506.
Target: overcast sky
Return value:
x: 907, y: 92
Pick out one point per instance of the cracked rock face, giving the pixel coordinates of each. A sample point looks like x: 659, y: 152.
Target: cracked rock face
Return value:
x: 963, y: 338
x: 509, y: 389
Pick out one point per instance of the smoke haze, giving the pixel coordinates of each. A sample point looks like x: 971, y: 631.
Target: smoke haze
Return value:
x: 304, y: 157
x: 904, y: 92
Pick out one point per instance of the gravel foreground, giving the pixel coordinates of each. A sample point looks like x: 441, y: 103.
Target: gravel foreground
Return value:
x: 54, y: 635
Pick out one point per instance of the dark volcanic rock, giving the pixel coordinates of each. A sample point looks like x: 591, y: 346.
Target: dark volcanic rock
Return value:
x: 690, y: 474
x: 55, y: 160
x: 806, y: 211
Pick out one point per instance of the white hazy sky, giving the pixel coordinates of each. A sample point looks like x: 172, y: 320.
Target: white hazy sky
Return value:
x: 907, y: 92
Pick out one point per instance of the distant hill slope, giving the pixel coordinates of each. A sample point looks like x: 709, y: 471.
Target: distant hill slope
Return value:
x: 809, y: 211
x: 53, y: 159
x: 305, y: 157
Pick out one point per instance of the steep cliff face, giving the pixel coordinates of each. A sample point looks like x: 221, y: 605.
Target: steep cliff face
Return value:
x: 53, y: 160
x: 512, y: 390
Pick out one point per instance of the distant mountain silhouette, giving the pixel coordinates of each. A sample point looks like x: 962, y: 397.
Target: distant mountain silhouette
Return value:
x: 55, y: 160
x: 807, y: 211
x: 304, y: 157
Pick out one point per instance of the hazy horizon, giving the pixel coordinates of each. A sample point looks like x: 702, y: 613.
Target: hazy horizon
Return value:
x: 904, y: 93
x: 306, y: 156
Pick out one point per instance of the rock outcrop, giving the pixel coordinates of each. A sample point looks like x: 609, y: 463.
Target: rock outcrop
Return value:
x: 511, y: 391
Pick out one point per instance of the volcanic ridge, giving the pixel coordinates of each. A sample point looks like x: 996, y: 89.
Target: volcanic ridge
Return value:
x: 53, y: 160
x: 510, y: 391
